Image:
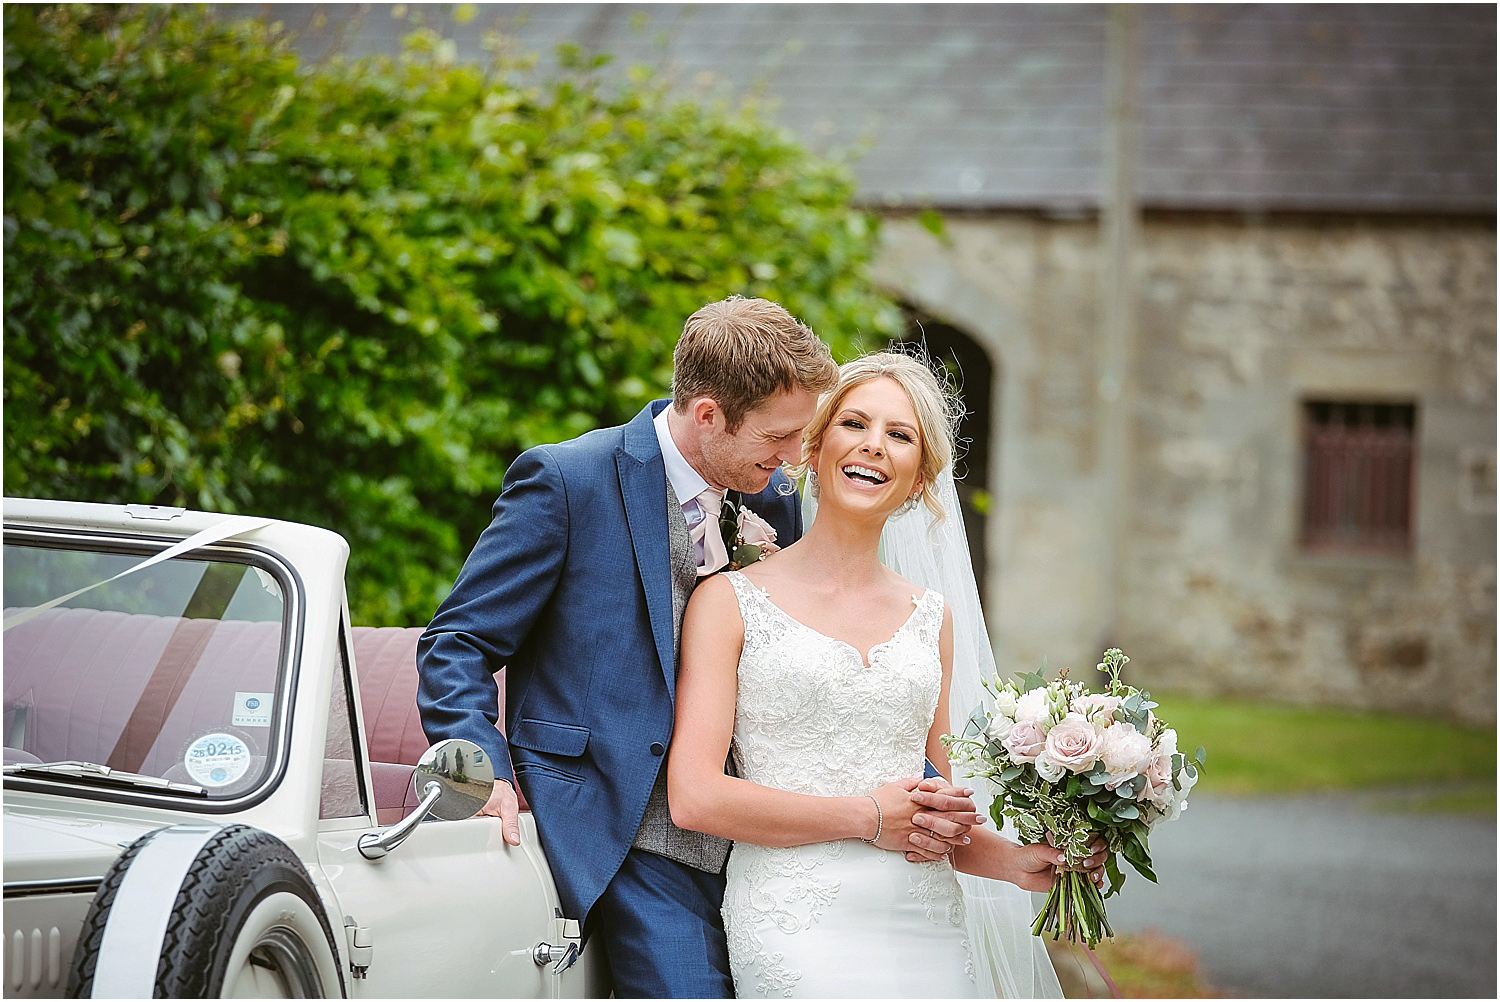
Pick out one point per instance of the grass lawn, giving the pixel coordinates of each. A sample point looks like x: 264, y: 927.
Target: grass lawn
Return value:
x: 1145, y: 965
x: 1261, y: 748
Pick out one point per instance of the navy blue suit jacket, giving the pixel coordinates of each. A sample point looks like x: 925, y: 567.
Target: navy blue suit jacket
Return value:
x: 569, y: 589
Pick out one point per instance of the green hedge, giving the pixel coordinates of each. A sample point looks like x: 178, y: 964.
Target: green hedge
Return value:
x: 349, y: 294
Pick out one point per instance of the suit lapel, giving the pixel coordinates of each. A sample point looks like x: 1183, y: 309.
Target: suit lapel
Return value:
x: 643, y: 487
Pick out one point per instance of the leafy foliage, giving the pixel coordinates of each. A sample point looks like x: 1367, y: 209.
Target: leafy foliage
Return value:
x: 350, y: 294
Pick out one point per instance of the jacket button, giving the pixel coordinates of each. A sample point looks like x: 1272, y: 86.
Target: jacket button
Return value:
x: 657, y: 748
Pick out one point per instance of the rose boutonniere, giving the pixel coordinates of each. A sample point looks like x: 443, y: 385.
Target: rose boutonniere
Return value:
x: 747, y: 536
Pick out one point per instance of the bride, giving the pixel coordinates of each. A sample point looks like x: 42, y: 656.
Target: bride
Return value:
x: 828, y: 675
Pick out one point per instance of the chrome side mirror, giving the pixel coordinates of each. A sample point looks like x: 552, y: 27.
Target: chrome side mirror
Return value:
x: 464, y: 774
x: 455, y: 779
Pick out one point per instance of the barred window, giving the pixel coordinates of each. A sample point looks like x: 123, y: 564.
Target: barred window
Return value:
x: 1358, y: 476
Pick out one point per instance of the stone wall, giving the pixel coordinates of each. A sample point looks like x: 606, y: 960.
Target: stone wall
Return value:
x: 1203, y: 581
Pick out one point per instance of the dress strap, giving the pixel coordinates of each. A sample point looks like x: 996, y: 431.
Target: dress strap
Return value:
x: 929, y: 615
x: 756, y: 611
x: 745, y: 593
x: 743, y: 589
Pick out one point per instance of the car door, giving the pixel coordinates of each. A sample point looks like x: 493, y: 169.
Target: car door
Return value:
x: 451, y: 912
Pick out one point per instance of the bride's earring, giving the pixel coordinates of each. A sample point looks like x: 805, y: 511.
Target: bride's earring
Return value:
x: 812, y: 483
x: 909, y: 503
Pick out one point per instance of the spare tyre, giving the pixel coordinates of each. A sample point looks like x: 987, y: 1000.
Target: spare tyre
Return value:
x: 225, y: 912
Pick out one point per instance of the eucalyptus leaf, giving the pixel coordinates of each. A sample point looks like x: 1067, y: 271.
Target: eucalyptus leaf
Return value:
x: 744, y: 555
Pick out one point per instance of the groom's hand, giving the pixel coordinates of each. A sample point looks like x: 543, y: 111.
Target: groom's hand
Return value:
x: 503, y: 805
x: 899, y: 831
x: 945, y: 817
x: 911, y: 826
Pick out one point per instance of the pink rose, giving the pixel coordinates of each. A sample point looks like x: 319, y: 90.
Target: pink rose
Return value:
x: 754, y: 530
x: 1025, y: 741
x: 1159, y: 770
x: 1126, y: 753
x: 1096, y: 706
x: 1073, y: 743
x: 1158, y: 780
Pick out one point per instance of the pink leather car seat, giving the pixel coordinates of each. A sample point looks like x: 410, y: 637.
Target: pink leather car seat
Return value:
x: 130, y: 691
x: 385, y: 659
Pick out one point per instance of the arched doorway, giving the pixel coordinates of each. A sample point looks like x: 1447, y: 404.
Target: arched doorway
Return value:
x: 974, y: 376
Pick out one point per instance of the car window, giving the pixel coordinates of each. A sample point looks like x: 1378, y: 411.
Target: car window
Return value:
x: 342, y: 794
x: 172, y: 674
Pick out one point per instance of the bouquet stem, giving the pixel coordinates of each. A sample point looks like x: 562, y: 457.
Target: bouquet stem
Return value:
x: 1074, y: 910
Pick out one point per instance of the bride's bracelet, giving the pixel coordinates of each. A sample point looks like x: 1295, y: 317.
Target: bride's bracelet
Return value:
x: 879, y: 820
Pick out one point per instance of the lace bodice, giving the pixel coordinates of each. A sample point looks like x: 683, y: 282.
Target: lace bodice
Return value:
x: 812, y: 717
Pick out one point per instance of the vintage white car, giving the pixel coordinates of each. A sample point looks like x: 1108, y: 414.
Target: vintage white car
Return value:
x: 209, y: 781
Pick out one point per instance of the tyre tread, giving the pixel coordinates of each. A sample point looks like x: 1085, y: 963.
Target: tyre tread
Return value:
x: 234, y: 869
x: 91, y: 936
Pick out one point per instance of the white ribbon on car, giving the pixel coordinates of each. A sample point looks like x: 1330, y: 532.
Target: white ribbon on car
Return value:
x: 232, y: 525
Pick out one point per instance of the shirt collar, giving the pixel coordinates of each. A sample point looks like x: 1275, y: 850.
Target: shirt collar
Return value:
x: 687, y: 483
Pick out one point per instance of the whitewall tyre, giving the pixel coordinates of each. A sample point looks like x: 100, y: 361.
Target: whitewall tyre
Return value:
x: 226, y: 911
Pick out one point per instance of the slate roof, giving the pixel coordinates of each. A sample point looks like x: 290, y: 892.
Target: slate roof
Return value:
x: 1353, y: 107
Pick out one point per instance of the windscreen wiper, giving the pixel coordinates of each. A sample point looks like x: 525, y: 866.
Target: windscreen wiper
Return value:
x: 92, y: 772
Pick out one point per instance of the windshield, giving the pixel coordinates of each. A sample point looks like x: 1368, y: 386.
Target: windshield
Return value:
x: 172, y: 672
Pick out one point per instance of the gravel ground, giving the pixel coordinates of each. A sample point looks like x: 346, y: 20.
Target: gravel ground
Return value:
x: 1323, y: 897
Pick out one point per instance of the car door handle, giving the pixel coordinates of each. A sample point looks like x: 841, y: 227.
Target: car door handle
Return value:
x: 561, y: 957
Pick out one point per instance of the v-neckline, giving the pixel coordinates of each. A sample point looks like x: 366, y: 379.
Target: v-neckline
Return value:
x: 866, y: 659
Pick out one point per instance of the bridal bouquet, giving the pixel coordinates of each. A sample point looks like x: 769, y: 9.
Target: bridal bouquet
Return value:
x: 1073, y: 765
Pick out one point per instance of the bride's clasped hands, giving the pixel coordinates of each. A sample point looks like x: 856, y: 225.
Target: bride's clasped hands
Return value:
x: 827, y: 674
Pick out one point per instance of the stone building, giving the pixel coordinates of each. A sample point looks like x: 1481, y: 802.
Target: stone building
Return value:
x: 1222, y: 282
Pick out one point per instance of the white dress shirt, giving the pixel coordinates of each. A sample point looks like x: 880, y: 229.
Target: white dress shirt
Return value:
x: 687, y: 483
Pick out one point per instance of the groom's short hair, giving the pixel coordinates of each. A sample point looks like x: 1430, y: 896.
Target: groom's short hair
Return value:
x: 741, y: 352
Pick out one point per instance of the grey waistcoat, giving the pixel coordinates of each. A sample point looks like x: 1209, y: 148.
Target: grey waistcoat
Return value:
x: 657, y: 832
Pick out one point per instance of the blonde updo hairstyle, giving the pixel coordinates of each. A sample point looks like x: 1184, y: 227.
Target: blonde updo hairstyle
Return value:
x: 937, y: 407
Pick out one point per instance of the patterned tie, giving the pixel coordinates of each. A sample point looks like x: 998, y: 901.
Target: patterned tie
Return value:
x: 706, y: 533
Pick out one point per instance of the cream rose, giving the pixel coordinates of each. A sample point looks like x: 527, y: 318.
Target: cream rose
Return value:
x: 1025, y: 741
x: 1005, y: 703
x: 1177, y: 802
x: 1049, y: 768
x: 999, y: 728
x: 1166, y: 742
x: 1073, y: 743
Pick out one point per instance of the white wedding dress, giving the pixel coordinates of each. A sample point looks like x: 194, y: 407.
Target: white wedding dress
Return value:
x: 838, y: 919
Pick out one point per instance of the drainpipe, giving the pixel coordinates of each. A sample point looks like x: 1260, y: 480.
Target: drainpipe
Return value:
x: 1119, y: 238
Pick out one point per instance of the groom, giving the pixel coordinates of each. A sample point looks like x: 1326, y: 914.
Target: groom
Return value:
x: 577, y: 588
